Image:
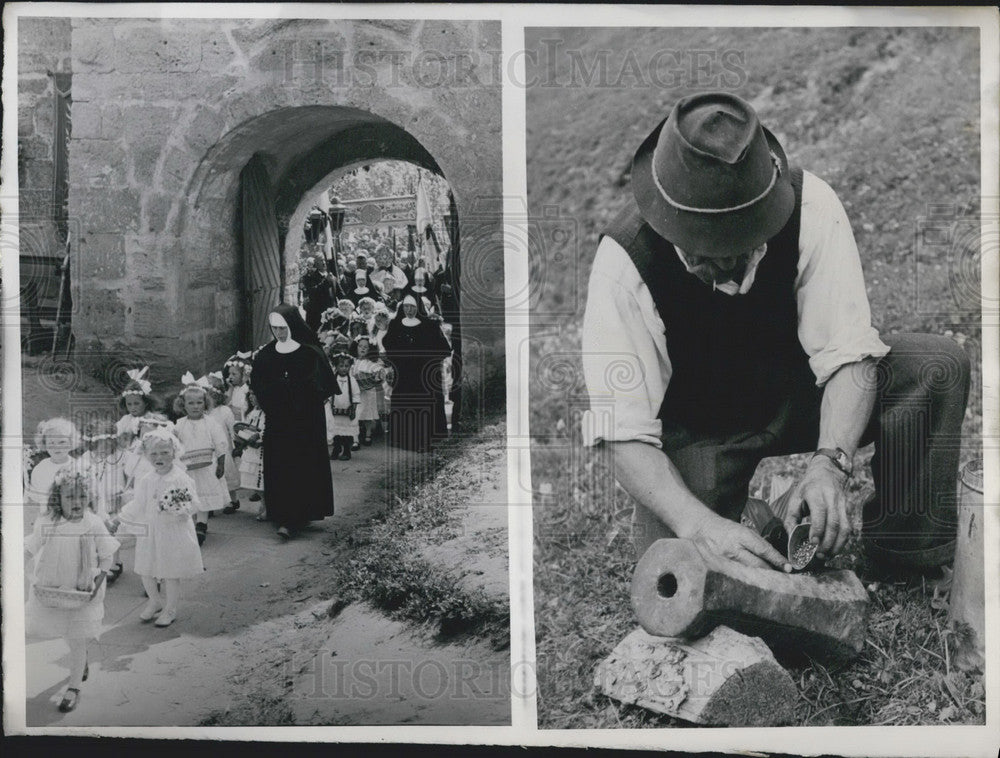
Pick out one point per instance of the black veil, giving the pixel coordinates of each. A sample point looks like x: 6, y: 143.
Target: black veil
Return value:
x: 297, y: 328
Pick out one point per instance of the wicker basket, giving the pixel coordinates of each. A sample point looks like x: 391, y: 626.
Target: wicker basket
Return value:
x: 246, y: 432
x: 57, y: 597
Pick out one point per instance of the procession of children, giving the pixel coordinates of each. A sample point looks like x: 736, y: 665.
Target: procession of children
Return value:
x: 157, y: 474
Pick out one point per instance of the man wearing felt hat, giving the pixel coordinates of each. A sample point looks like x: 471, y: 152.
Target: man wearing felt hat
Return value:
x: 730, y: 290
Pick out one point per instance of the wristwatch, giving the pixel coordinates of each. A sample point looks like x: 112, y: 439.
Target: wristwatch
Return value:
x: 840, y: 459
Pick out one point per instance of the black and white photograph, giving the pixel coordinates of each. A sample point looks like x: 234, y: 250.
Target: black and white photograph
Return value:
x: 261, y: 297
x: 501, y: 376
x: 757, y: 397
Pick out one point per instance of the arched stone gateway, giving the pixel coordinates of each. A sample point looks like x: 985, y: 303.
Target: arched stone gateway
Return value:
x: 168, y: 113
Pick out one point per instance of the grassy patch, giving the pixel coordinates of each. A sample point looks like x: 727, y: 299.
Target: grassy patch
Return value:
x: 385, y: 571
x: 583, y: 565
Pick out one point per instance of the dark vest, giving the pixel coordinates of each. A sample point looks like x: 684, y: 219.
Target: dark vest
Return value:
x: 734, y: 358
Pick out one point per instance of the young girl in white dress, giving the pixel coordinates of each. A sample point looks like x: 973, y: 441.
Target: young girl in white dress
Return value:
x: 252, y: 459
x: 204, y: 454
x: 370, y: 375
x: 222, y: 414
x: 166, y: 547
x: 72, y: 550
x: 56, y: 436
x: 135, y: 402
x: 381, y: 320
x: 108, y: 465
x: 139, y: 465
x: 342, y: 409
x: 237, y: 370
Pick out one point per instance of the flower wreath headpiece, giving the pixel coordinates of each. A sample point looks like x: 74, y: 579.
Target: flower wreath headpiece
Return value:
x: 137, y: 384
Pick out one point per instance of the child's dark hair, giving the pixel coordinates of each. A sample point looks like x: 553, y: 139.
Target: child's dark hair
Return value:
x: 150, y: 401
x: 65, y: 481
x: 353, y: 351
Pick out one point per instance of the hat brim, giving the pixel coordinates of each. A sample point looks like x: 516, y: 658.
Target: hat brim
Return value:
x: 715, y: 235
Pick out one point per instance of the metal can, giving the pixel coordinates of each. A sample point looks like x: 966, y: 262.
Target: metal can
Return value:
x: 967, y: 603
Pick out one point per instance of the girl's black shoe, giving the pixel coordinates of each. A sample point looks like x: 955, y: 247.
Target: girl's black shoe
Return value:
x: 114, y: 573
x: 69, y: 700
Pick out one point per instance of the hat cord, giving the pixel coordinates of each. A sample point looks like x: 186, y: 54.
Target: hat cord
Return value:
x: 691, y: 209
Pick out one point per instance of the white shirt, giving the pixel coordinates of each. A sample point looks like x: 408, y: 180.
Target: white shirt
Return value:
x: 625, y: 361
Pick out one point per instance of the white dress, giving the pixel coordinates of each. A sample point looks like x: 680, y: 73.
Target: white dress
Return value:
x: 128, y: 427
x: 238, y: 401
x: 368, y: 405
x: 340, y: 425
x: 252, y: 460
x: 223, y: 416
x: 204, y: 442
x: 56, y: 545
x: 42, y: 476
x: 110, y: 476
x: 166, y: 545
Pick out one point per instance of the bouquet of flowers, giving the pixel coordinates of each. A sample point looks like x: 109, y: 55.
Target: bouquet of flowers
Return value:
x: 176, y: 500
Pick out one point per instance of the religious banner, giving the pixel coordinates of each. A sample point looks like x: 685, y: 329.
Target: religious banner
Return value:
x: 399, y: 210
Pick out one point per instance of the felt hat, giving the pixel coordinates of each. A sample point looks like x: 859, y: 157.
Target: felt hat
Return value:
x: 711, y: 179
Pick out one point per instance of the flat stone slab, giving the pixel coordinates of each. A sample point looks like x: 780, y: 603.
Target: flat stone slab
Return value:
x: 723, y: 679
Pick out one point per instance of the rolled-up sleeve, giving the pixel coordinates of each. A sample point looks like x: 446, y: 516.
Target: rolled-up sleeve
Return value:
x: 835, y: 326
x: 625, y: 366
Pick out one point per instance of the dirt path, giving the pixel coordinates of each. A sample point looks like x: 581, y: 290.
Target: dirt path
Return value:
x: 258, y: 618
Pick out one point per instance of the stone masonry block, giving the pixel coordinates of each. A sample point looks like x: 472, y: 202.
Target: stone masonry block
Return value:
x: 111, y: 121
x: 103, y: 162
x: 226, y: 310
x: 86, y: 121
x: 178, y: 166
x: 216, y: 53
x: 445, y: 37
x: 115, y: 211
x: 32, y: 85
x: 93, y: 46
x: 158, y: 208
x: 148, y: 124
x: 205, y: 129
x: 151, y: 316
x: 101, y: 311
x: 198, y: 309
x: 144, y: 161
x: 103, y: 255
x: 163, y: 46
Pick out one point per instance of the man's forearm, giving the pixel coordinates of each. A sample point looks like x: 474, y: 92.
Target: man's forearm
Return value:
x: 848, y: 400
x: 652, y: 479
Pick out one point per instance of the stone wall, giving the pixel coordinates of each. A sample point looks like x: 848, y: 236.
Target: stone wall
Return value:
x: 43, y: 49
x: 167, y: 112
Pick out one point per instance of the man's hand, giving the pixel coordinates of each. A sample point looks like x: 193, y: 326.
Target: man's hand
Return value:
x: 220, y: 468
x: 822, y: 490
x: 720, y: 536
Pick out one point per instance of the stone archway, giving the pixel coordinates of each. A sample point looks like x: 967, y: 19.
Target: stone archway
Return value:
x: 160, y: 278
x: 298, y: 149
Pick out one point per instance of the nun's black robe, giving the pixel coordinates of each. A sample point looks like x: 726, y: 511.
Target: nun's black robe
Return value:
x: 291, y: 389
x: 417, y: 417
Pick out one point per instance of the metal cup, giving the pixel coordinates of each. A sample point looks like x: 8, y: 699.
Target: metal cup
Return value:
x: 799, y: 545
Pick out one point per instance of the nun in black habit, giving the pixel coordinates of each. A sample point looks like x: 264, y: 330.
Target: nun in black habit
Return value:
x: 291, y: 379
x: 415, y: 346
